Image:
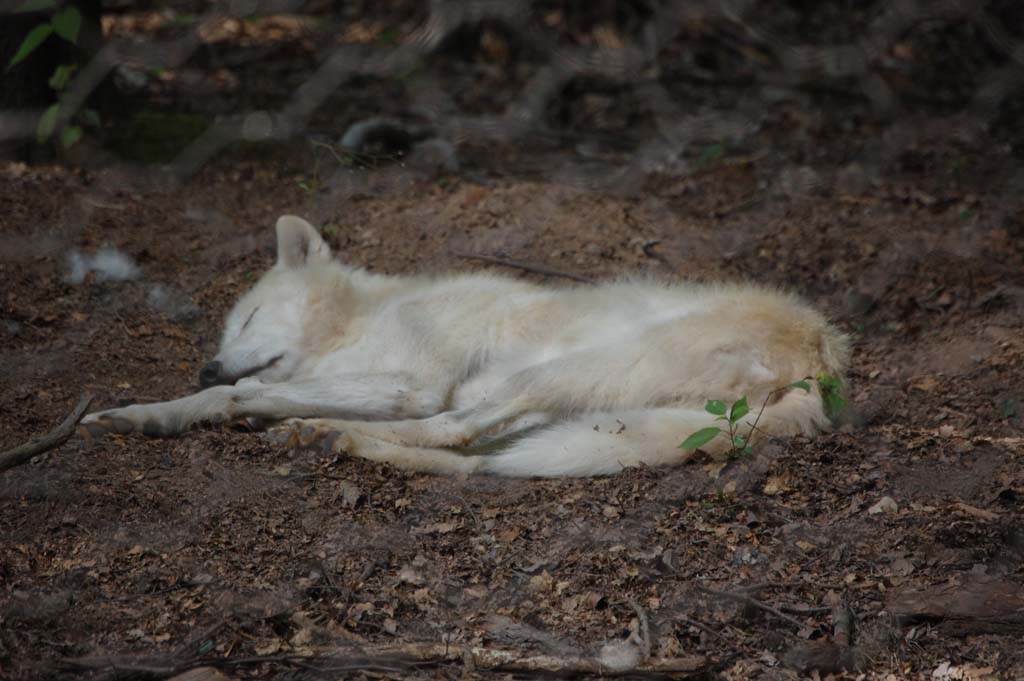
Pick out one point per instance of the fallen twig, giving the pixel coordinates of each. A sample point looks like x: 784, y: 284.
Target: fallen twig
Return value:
x: 395, y: 659
x: 979, y: 513
x: 648, y: 248
x: 525, y: 266
x: 700, y: 625
x: 143, y: 666
x: 515, y: 661
x: 842, y: 623
x: 829, y: 656
x: 794, y: 609
x: 55, y: 438
x: 749, y: 600
x: 965, y: 606
x: 164, y: 668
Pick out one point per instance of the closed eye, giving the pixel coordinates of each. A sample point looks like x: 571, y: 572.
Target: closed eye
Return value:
x: 255, y: 370
x: 251, y: 315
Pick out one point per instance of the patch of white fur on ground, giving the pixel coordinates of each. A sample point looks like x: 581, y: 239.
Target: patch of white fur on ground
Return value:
x: 108, y: 263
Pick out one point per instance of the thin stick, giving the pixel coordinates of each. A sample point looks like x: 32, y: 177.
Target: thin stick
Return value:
x: 525, y: 266
x: 55, y: 438
x: 648, y: 249
x: 842, y: 617
x: 749, y: 600
x: 700, y: 625
x: 396, y: 659
x: 764, y: 405
x: 803, y: 609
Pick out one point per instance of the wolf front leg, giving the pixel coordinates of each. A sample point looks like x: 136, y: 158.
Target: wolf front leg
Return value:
x: 352, y: 396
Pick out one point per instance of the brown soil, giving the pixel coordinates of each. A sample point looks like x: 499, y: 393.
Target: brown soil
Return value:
x: 221, y: 545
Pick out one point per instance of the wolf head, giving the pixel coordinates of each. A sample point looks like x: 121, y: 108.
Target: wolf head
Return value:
x: 263, y: 333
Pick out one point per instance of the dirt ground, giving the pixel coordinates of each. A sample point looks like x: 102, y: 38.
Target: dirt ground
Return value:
x: 220, y: 548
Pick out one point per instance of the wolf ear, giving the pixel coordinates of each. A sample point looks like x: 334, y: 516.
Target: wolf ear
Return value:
x: 298, y: 243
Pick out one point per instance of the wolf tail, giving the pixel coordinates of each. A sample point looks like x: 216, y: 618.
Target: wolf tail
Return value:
x: 605, y: 443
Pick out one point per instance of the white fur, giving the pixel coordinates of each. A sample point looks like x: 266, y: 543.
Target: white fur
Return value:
x: 553, y: 381
x: 108, y: 263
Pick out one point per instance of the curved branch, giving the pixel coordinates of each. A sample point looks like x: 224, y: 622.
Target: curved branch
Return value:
x: 55, y: 438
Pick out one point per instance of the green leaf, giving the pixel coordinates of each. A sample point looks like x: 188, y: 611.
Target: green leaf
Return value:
x: 829, y: 383
x: 44, y: 128
x: 832, y: 395
x: 739, y: 410
x: 803, y: 385
x: 710, y: 153
x: 716, y: 407
x: 834, y: 405
x: 739, y: 442
x: 90, y: 117
x: 700, y: 438
x: 34, y: 38
x: 70, y: 135
x: 61, y: 76
x: 66, y: 23
x: 36, y: 5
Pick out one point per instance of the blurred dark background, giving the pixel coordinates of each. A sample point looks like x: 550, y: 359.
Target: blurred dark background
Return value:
x: 834, y: 92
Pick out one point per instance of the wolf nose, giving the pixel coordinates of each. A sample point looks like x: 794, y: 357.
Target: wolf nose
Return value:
x: 210, y: 374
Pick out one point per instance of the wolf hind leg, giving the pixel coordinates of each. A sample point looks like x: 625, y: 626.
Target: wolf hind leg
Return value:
x: 346, y: 437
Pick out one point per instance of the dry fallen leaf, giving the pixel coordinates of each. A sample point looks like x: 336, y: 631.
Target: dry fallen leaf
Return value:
x: 777, y: 484
x: 435, y: 528
x: 542, y: 582
x: 270, y: 647
x: 423, y: 598
x: 408, y: 575
x: 508, y: 535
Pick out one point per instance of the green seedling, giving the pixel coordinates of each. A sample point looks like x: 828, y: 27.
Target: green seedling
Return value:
x: 830, y: 388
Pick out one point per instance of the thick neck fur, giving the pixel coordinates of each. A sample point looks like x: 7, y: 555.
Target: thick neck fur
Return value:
x: 340, y: 299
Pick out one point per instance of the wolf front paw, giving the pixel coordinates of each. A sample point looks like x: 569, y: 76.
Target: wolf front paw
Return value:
x: 133, y: 419
x: 325, y: 434
x: 100, y: 423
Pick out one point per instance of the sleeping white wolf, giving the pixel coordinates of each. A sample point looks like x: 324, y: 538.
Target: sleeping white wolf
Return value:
x: 479, y: 373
